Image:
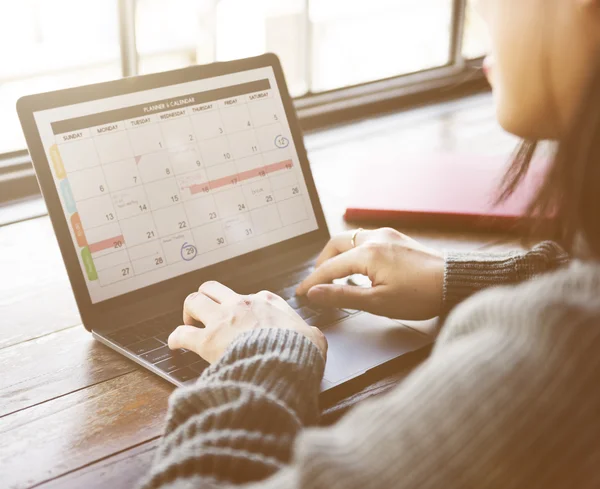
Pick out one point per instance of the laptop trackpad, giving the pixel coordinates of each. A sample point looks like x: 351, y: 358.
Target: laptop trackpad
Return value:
x: 366, y: 341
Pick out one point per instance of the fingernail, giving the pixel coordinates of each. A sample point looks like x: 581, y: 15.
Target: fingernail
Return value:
x: 191, y: 296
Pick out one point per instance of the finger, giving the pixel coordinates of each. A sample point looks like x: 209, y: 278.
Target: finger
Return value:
x: 342, y: 243
x: 187, y: 319
x: 342, y: 296
x: 187, y: 337
x: 200, y: 307
x: 336, y: 245
x: 353, y: 261
x: 218, y: 292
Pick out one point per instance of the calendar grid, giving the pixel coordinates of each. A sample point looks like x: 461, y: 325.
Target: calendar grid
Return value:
x: 161, y: 208
x: 177, y: 181
x: 234, y: 161
x: 196, y: 140
x: 269, y: 176
x: 122, y: 240
x: 163, y: 256
x: 175, y: 234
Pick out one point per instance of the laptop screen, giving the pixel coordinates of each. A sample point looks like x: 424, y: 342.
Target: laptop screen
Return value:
x: 157, y: 183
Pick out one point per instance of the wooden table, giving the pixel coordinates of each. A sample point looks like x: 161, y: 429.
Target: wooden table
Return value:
x: 73, y: 413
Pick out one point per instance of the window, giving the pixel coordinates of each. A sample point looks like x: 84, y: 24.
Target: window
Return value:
x: 476, y: 41
x: 332, y: 51
x: 51, y: 44
x: 358, y: 42
x: 321, y: 44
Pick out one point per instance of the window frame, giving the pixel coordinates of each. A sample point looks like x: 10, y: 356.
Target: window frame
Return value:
x: 457, y: 78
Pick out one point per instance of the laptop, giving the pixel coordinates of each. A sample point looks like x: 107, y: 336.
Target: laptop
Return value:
x: 155, y: 184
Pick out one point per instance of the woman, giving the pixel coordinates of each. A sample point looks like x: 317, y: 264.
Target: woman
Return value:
x: 509, y: 396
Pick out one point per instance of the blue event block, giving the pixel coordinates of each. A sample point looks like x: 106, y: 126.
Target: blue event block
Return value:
x: 67, y: 195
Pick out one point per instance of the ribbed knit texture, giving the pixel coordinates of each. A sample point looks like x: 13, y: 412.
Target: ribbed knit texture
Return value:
x: 467, y: 273
x: 509, y: 398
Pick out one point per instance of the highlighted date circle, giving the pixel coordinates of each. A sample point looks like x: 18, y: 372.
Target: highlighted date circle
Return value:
x: 281, y: 141
x: 188, y: 251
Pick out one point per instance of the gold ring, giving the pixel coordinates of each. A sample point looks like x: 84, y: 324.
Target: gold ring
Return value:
x: 353, y: 240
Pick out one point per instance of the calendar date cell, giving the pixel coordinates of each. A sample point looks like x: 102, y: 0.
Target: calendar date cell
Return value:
x: 236, y: 118
x: 201, y: 210
x: 209, y: 237
x: 266, y: 219
x: 245, y: 143
x: 139, y: 229
x: 185, y: 159
x: 179, y: 247
x: 215, y: 151
x: 163, y: 193
x: 258, y: 194
x: 192, y: 185
x: 231, y: 202
x: 130, y: 202
x: 144, y: 250
x: 113, y: 147
x: 121, y: 175
x: 207, y: 125
x: 88, y: 183
x: 171, y: 220
x: 154, y: 166
x: 148, y: 263
x: 146, y: 139
x: 239, y: 228
x: 292, y: 210
x: 118, y: 273
x: 264, y: 112
x: 269, y: 137
x: 96, y: 212
x: 111, y: 260
x: 78, y: 155
x: 177, y: 132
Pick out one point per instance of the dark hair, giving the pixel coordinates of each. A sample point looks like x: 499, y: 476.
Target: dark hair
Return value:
x: 571, y: 189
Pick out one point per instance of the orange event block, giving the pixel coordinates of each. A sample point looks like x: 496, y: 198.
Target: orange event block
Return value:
x: 78, y: 229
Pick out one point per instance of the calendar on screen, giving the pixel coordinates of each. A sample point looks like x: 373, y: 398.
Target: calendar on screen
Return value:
x: 157, y: 183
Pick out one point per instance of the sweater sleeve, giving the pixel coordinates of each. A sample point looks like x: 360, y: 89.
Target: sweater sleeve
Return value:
x: 508, y: 398
x: 467, y: 273
x: 237, y: 424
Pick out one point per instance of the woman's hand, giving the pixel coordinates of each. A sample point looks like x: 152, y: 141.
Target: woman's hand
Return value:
x: 407, y: 278
x: 225, y: 315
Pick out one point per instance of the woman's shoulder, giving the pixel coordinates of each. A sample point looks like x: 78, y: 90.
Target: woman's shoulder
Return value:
x: 567, y: 296
x: 580, y: 281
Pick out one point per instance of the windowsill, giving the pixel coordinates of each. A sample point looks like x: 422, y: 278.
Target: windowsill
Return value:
x: 22, y: 210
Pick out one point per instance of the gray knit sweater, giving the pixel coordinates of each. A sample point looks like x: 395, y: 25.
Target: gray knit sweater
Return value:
x: 509, y: 397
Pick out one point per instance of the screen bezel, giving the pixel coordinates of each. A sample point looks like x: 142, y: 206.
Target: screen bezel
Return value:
x: 28, y: 105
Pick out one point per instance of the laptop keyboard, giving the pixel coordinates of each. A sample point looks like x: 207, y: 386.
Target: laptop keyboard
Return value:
x: 321, y: 317
x: 148, y: 340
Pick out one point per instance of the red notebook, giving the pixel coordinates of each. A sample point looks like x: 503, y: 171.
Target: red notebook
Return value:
x: 449, y: 190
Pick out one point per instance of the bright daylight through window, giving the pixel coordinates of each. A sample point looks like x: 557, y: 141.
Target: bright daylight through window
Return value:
x: 324, y: 44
